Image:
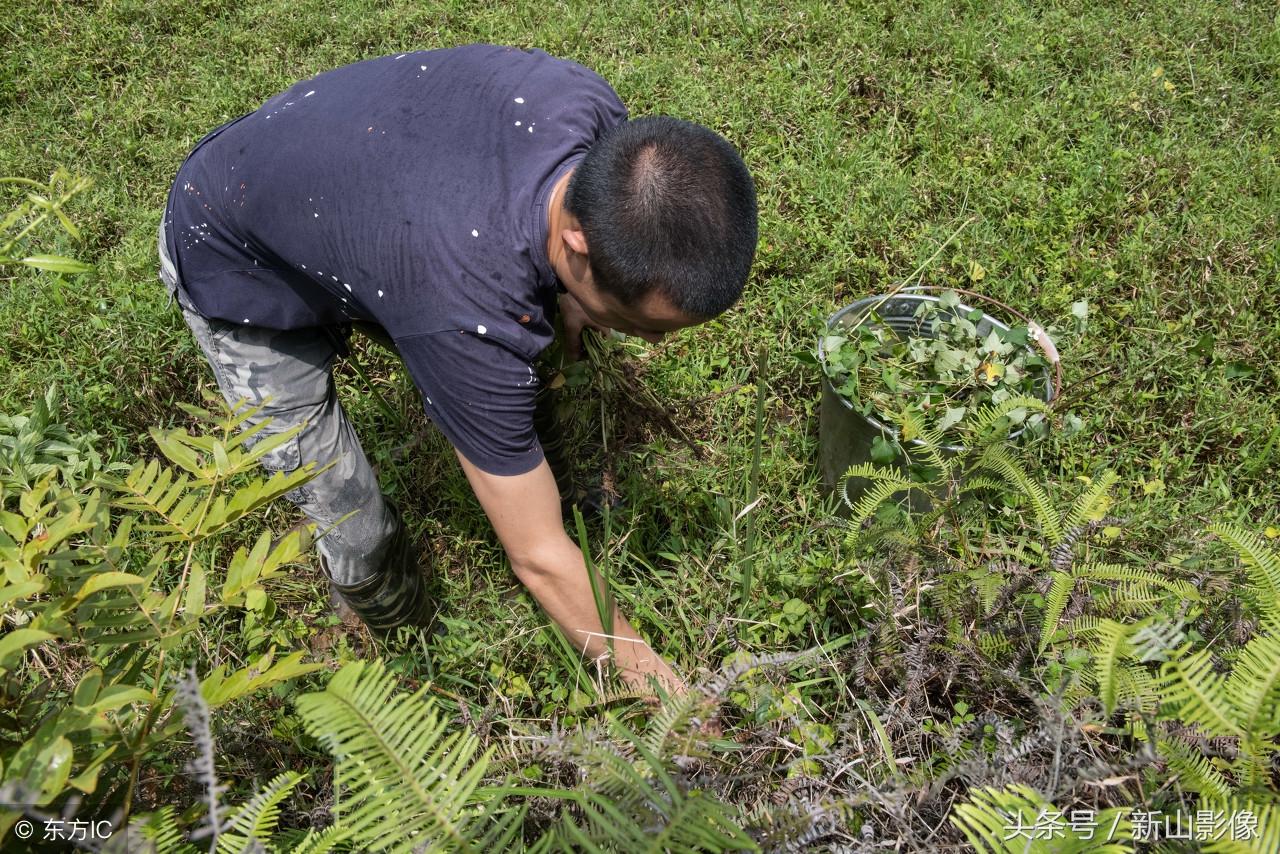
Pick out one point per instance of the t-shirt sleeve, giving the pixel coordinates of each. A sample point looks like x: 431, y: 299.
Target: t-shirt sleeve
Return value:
x: 480, y: 394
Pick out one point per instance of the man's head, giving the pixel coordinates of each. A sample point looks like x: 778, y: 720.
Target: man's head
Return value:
x: 667, y: 211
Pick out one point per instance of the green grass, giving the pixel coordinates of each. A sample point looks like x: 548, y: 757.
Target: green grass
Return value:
x: 1102, y: 151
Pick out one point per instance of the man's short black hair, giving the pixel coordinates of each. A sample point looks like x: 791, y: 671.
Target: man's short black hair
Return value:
x: 667, y: 205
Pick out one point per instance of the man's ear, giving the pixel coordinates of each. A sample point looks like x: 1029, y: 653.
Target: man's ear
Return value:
x: 575, y: 239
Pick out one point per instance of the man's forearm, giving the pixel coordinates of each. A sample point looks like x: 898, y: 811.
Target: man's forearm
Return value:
x: 559, y: 582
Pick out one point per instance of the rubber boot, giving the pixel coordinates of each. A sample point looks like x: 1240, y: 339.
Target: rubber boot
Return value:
x: 395, y: 595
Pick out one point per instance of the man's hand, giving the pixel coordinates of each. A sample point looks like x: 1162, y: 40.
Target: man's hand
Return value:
x: 525, y: 512
x: 575, y: 319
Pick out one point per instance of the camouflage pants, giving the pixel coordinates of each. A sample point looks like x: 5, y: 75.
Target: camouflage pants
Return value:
x: 287, y: 373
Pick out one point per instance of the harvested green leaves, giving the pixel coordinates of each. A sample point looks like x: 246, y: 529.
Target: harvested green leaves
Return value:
x: 940, y: 372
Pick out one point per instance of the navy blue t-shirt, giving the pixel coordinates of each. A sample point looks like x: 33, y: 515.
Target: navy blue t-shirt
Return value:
x: 410, y: 192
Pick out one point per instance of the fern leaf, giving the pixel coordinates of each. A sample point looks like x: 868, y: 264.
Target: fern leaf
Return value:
x: 1016, y: 820
x: 638, y: 806
x: 1093, y: 503
x: 1254, y: 826
x: 1137, y: 689
x: 1117, y: 572
x: 1195, y: 771
x: 988, y: 586
x: 1111, y: 645
x: 870, y: 502
x: 1083, y: 627
x: 160, y: 832
x: 1157, y: 639
x: 321, y: 841
x: 256, y: 819
x: 1262, y: 564
x: 1054, y: 604
x: 979, y: 484
x: 999, y: 460
x: 1129, y: 600
x: 989, y: 424
x: 927, y: 443
x: 407, y: 784
x: 673, y: 715
x: 1254, y: 686
x: 1192, y: 692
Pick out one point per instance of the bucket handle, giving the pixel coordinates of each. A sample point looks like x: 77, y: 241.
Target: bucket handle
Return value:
x: 1042, y: 339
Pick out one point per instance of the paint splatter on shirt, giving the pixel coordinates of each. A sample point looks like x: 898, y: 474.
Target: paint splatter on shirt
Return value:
x: 315, y: 189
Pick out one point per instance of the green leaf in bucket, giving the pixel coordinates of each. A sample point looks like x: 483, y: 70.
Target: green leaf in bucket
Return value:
x: 951, y: 418
x: 882, y: 452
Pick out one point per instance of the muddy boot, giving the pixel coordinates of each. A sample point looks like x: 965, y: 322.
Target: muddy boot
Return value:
x: 395, y: 595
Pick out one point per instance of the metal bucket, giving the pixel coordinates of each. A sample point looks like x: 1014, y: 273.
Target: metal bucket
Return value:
x: 845, y: 435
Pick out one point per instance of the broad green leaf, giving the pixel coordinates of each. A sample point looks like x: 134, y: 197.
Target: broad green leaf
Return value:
x: 105, y: 581
x: 219, y: 689
x: 950, y: 418
x: 87, y: 780
x: 117, y: 697
x: 179, y: 453
x: 883, y: 452
x: 18, y: 640
x: 12, y: 592
x: 53, y: 765
x: 194, y: 601
x: 255, y: 599
x: 56, y: 264
x: 87, y: 688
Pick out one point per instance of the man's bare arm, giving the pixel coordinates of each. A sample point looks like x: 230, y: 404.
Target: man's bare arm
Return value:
x: 525, y: 513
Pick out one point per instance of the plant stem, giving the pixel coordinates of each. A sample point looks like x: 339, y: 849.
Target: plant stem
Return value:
x: 748, y: 559
x: 377, y: 395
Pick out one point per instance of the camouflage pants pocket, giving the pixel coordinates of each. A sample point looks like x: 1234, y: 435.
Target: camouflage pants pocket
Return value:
x: 287, y: 374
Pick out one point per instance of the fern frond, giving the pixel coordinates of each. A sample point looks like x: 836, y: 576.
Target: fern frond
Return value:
x: 1136, y: 688
x: 1128, y: 600
x: 882, y: 491
x: 1256, y: 827
x: 1195, y: 771
x: 927, y: 443
x: 1192, y: 692
x: 994, y: 645
x: 407, y: 783
x: 256, y: 819
x: 637, y: 806
x: 1118, y: 572
x: 1084, y: 627
x: 1093, y: 503
x: 1110, y: 646
x: 1054, y: 604
x: 1012, y: 821
x: 321, y: 841
x: 979, y: 484
x: 1261, y: 562
x: 989, y: 586
x: 1254, y: 686
x: 1157, y: 639
x: 672, y: 716
x: 999, y: 460
x: 989, y: 424
x: 158, y: 832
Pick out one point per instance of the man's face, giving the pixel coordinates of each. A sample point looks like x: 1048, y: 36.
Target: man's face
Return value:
x: 651, y: 318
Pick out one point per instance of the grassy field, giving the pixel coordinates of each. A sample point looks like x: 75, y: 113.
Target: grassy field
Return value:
x: 1119, y: 153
